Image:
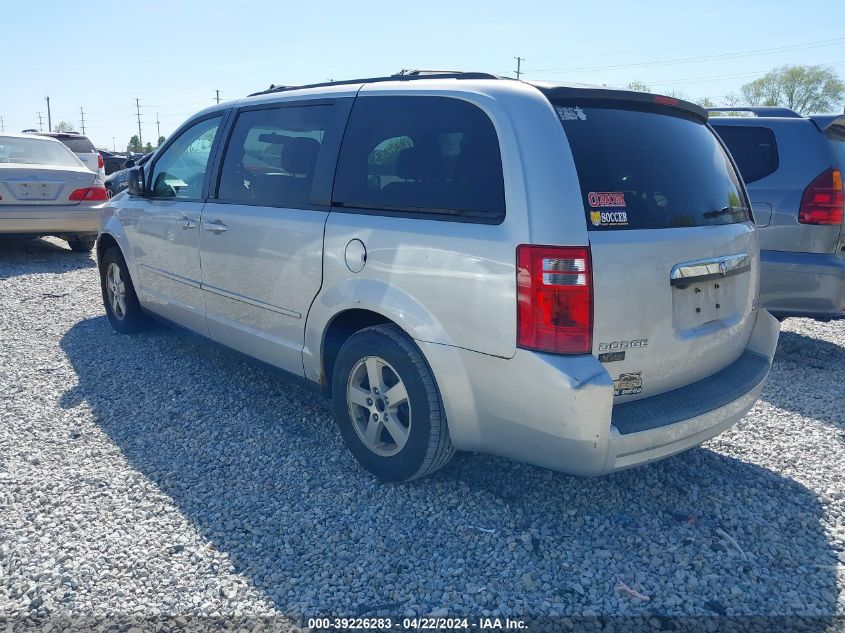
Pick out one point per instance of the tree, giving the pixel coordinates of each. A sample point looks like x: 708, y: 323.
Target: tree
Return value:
x: 135, y: 143
x: 148, y: 148
x: 805, y: 89
x: 63, y: 126
x: 706, y: 102
x: 160, y: 141
x: 638, y: 86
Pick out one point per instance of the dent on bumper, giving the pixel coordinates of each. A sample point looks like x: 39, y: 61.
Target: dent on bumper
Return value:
x: 556, y: 411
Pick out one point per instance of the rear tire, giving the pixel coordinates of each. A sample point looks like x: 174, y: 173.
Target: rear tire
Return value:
x: 122, y: 307
x: 397, y: 440
x: 82, y: 244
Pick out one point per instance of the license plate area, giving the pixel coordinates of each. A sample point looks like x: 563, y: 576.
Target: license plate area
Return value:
x: 709, y: 303
x: 36, y: 190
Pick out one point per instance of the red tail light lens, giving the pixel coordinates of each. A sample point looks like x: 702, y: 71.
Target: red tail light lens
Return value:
x: 823, y: 201
x: 89, y: 194
x: 100, y: 163
x: 554, y: 299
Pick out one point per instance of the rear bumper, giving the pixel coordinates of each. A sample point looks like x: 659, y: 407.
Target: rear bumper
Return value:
x: 50, y: 220
x: 803, y: 284
x: 558, y: 412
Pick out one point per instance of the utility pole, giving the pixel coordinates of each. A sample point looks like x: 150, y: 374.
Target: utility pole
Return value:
x: 519, y: 61
x: 217, y: 92
x: 2, y: 125
x: 82, y: 116
x: 138, y: 110
x: 113, y: 145
x: 49, y: 117
x: 40, y: 124
x: 158, y: 129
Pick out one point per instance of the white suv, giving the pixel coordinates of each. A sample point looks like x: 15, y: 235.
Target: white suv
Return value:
x: 563, y: 275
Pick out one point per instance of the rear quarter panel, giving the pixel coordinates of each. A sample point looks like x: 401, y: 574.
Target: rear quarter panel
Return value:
x: 454, y: 283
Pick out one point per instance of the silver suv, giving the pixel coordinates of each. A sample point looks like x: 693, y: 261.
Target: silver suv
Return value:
x: 562, y: 275
x: 793, y: 168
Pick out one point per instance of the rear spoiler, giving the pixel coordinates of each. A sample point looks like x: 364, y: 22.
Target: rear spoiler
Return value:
x: 830, y: 124
x: 629, y: 96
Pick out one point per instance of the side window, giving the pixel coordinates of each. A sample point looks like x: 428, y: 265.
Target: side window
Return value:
x: 420, y: 155
x: 271, y: 157
x: 179, y: 172
x: 754, y: 149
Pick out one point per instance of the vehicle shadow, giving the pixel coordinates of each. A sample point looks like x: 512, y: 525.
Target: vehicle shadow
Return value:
x: 804, y: 363
x: 258, y: 468
x: 33, y: 256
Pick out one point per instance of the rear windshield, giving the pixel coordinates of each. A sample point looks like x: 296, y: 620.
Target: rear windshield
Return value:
x: 644, y: 169
x: 35, y: 151
x: 836, y: 135
x: 78, y: 144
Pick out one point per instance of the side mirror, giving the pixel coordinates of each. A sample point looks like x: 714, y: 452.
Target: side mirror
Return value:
x: 128, y: 163
x: 135, y: 181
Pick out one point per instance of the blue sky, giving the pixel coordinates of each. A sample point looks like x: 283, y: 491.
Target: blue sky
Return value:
x: 188, y: 49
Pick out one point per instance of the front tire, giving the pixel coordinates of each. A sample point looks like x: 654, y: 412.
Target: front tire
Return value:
x: 122, y: 307
x: 388, y: 407
x: 82, y: 244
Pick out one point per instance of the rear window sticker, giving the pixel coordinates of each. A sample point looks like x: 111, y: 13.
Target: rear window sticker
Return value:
x: 628, y: 384
x: 609, y: 218
x: 606, y: 199
x: 571, y: 113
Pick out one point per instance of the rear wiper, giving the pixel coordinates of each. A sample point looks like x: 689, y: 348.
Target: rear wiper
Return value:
x: 725, y: 211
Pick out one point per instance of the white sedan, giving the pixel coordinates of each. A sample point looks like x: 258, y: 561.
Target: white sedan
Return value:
x: 46, y: 190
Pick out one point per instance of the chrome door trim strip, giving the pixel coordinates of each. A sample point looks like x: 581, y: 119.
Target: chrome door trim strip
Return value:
x: 253, y: 302
x: 171, y: 276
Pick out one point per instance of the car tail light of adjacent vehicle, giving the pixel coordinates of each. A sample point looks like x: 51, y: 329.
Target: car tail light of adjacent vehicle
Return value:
x: 823, y: 201
x: 100, y: 163
x: 95, y: 193
x: 554, y: 299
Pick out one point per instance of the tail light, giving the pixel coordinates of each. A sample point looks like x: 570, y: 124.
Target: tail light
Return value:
x: 554, y: 299
x: 823, y: 201
x: 95, y: 193
x: 100, y: 163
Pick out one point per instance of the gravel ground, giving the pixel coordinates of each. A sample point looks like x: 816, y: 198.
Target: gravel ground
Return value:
x: 159, y: 476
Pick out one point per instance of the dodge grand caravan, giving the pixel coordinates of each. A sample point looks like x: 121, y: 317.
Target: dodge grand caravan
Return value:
x: 562, y: 275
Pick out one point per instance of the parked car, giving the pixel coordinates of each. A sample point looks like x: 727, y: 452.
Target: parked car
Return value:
x: 116, y: 182
x: 83, y: 148
x: 562, y: 275
x: 46, y: 190
x: 112, y: 161
x: 792, y: 166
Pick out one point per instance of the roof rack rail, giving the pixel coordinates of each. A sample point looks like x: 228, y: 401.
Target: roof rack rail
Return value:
x: 402, y: 75
x: 774, y: 111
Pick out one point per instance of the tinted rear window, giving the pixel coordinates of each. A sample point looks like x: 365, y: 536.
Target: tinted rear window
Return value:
x: 429, y: 155
x: 754, y: 149
x: 78, y: 144
x: 643, y: 169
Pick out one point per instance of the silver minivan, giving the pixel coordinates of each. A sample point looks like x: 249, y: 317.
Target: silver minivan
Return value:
x: 562, y: 275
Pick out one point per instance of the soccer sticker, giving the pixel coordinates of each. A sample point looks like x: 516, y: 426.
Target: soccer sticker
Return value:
x: 609, y: 218
x: 628, y: 384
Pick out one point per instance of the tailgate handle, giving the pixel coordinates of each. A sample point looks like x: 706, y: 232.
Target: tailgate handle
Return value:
x: 685, y: 273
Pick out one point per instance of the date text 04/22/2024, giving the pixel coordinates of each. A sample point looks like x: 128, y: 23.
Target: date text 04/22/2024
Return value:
x: 417, y: 623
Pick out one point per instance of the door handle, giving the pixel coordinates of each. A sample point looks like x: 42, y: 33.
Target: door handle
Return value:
x: 215, y: 226
x: 186, y: 223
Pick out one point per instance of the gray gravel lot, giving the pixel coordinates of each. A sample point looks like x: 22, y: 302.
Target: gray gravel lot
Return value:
x: 159, y: 475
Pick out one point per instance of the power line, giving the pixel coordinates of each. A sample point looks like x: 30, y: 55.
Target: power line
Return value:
x: 690, y: 60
